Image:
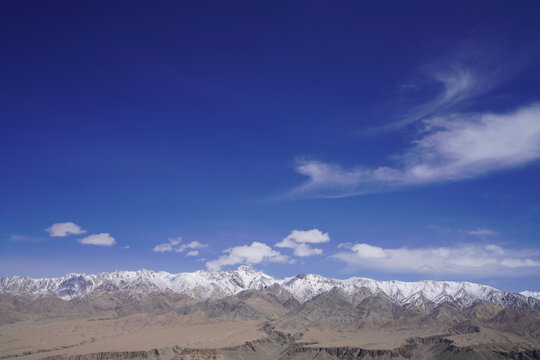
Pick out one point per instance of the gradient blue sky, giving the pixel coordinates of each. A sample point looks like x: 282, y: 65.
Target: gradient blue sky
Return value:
x: 408, y: 133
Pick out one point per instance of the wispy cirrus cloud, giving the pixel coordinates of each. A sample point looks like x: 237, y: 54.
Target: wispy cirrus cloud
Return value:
x: 451, y: 83
x: 449, y: 148
x: 459, y: 84
x: 475, y: 260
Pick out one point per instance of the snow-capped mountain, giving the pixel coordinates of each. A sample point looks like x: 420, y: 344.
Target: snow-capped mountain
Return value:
x: 203, y: 284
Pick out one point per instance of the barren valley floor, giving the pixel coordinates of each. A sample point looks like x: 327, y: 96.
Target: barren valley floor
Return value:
x: 144, y: 336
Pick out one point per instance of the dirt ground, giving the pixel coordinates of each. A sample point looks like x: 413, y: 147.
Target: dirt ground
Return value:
x: 38, y: 339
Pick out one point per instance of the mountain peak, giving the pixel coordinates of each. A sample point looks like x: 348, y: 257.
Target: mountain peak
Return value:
x: 245, y: 268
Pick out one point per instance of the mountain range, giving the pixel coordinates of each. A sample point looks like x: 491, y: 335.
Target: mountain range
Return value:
x: 247, y: 314
x: 202, y: 285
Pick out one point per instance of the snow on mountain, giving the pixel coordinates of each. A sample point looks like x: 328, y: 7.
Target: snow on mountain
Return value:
x: 532, y: 294
x: 203, y: 284
x: 305, y: 287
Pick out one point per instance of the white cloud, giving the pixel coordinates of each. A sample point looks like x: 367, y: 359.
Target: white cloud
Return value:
x: 299, y: 240
x: 313, y: 236
x: 126, y: 247
x: 304, y: 250
x: 449, y: 148
x: 64, y: 229
x: 103, y: 239
x: 168, y: 246
x: 191, y: 245
x: 482, y: 232
x: 368, y: 251
x: 163, y: 247
x: 192, y: 253
x: 247, y: 254
x: 472, y: 259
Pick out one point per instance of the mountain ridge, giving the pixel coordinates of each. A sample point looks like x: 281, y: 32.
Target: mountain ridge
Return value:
x: 303, y: 287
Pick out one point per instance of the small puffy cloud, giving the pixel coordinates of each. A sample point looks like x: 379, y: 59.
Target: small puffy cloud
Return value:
x: 247, y: 254
x: 192, y: 253
x: 191, y: 245
x: 64, y: 229
x: 103, y: 239
x: 313, y: 236
x: 163, y: 248
x: 299, y: 240
x: 126, y: 247
x: 470, y: 259
x: 482, y: 232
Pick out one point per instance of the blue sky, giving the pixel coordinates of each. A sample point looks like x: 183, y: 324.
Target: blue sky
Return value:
x: 385, y: 140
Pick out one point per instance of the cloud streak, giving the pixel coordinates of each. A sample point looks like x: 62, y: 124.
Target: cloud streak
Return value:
x: 449, y: 148
x: 482, y: 232
x: 469, y: 259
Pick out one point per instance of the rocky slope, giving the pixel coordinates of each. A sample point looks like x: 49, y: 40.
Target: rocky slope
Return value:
x: 331, y: 325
